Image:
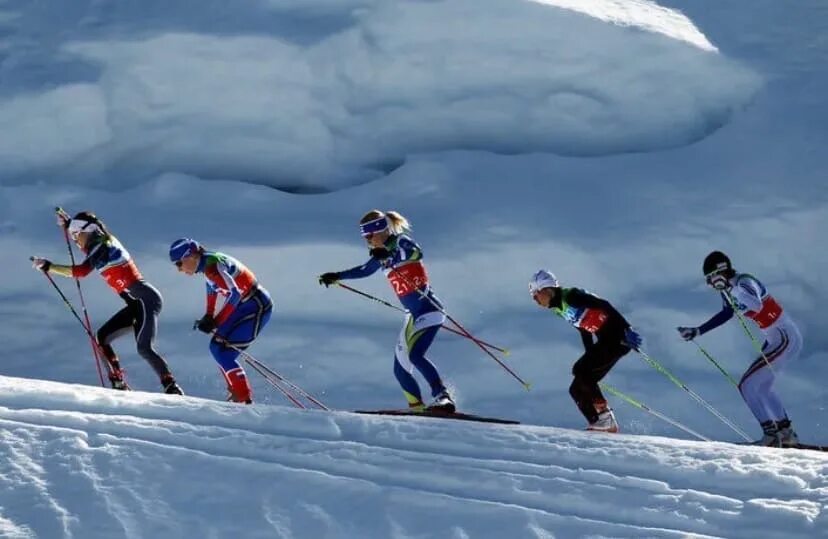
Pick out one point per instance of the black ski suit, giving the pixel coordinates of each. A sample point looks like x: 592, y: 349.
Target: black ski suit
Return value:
x: 592, y: 315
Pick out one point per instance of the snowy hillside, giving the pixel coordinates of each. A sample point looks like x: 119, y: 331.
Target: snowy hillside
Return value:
x: 88, y: 463
x: 615, y: 142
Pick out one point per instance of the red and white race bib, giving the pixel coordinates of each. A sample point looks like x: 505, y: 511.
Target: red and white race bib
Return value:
x: 593, y: 320
x: 770, y: 313
x: 407, y: 278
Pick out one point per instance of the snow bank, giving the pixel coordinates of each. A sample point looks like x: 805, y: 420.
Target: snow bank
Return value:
x: 350, y: 89
x: 94, y: 463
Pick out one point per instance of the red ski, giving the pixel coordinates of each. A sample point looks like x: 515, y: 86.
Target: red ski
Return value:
x: 440, y: 413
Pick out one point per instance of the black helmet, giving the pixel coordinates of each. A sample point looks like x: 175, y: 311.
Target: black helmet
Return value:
x: 718, y: 270
x: 716, y: 262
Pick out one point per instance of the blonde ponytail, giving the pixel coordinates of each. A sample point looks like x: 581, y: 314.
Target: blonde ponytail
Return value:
x: 397, y: 223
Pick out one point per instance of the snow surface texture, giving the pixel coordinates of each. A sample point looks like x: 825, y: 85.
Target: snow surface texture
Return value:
x: 96, y: 464
x: 155, y: 88
x: 631, y: 227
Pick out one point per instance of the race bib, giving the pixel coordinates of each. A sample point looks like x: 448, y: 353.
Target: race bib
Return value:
x: 593, y: 320
x: 408, y: 278
x: 770, y: 313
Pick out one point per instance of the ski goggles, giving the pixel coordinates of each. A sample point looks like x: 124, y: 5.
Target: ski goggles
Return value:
x: 374, y: 227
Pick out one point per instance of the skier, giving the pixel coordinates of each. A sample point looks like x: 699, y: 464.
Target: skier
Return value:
x: 143, y: 302
x: 401, y: 259
x: 782, y: 344
x: 614, y: 338
x: 246, y: 310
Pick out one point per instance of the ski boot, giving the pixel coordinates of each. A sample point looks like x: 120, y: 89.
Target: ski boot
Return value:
x: 170, y: 386
x: 443, y: 402
x: 787, y: 436
x: 770, y: 438
x: 605, y: 422
x: 416, y: 406
x: 116, y: 378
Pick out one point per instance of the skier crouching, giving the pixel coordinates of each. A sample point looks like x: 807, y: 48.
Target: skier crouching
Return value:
x: 613, y: 339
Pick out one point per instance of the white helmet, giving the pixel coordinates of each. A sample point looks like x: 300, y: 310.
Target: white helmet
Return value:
x: 542, y: 279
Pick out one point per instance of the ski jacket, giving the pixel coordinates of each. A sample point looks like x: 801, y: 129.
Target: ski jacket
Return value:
x: 590, y: 315
x: 226, y: 276
x: 405, y: 272
x: 105, y: 254
x: 747, y: 294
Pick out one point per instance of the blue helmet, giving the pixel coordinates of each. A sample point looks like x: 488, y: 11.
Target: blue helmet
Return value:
x: 183, y: 247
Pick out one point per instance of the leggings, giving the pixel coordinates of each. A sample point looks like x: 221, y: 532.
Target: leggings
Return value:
x: 783, y: 345
x: 589, y: 370
x: 240, y: 330
x: 143, y: 305
x: 415, y: 338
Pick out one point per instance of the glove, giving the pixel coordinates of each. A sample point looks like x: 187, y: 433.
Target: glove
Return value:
x: 380, y: 253
x: 633, y: 339
x: 328, y: 278
x: 63, y: 220
x: 207, y: 324
x: 688, y: 334
x: 41, y: 264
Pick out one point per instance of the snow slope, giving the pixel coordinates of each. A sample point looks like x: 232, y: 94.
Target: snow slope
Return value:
x: 614, y: 142
x: 90, y: 463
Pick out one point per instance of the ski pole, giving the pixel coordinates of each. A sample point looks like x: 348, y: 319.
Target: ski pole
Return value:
x: 745, y: 327
x: 276, y: 384
x: 70, y: 307
x: 716, y: 363
x: 503, y: 351
x: 660, y: 368
x: 261, y: 368
x: 253, y: 361
x: 93, y: 342
x: 608, y: 388
x: 465, y: 332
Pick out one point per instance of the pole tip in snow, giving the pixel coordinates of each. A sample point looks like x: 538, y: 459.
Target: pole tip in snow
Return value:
x: 528, y: 386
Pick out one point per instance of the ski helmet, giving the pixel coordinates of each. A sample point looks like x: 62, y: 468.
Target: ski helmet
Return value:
x: 84, y: 222
x: 183, y: 247
x: 542, y: 279
x: 717, y: 270
x: 716, y: 262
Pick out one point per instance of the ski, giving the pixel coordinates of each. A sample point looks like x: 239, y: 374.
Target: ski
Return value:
x: 810, y: 447
x: 437, y: 413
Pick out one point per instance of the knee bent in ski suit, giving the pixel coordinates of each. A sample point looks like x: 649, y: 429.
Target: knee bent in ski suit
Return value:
x: 783, y: 344
x: 143, y: 307
x: 240, y: 329
x: 589, y: 370
x: 416, y: 336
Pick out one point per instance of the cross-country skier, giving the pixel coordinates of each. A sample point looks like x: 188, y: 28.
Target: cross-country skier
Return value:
x: 246, y: 310
x: 782, y: 343
x: 401, y: 259
x: 143, y: 302
x: 606, y: 335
